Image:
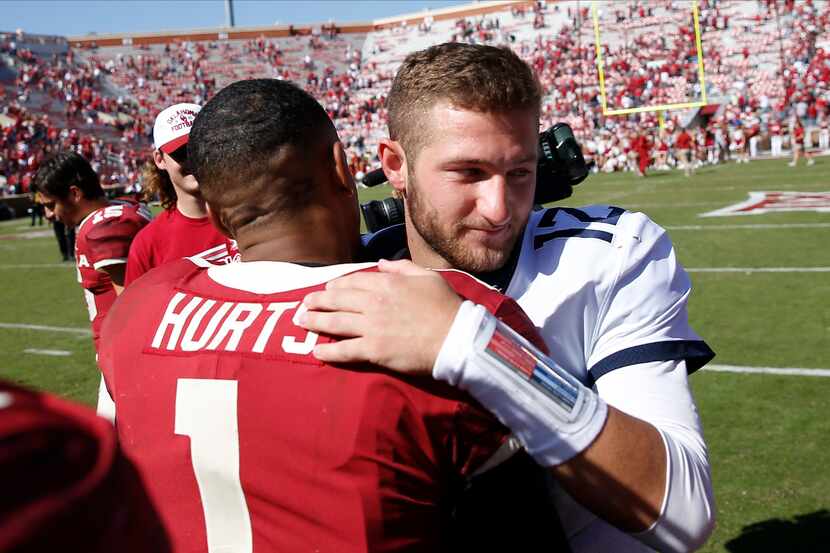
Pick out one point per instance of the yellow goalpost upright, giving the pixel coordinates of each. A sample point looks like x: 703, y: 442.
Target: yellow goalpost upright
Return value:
x: 661, y: 107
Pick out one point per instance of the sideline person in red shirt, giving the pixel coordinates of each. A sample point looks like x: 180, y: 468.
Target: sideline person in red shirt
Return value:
x: 183, y: 229
x: 797, y: 140
x: 683, y: 145
x: 642, y: 146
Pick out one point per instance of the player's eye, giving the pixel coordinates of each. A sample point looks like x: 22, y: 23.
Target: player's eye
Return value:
x: 472, y: 173
x: 519, y: 173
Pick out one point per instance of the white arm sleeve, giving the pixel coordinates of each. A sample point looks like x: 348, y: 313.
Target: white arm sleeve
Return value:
x: 659, y: 393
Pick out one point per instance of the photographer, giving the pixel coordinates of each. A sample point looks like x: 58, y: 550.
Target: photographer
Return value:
x: 602, y: 285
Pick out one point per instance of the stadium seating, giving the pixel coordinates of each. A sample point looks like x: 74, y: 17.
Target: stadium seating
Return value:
x: 765, y: 63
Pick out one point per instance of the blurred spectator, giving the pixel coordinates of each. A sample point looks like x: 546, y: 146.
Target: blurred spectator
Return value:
x: 66, y: 243
x: 683, y: 145
x: 37, y: 214
x: 798, y: 148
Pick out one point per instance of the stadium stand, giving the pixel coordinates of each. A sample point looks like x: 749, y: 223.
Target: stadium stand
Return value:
x: 766, y: 62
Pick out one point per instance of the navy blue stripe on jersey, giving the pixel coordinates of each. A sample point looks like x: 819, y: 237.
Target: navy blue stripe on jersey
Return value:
x: 695, y: 352
x: 539, y: 241
x: 612, y: 218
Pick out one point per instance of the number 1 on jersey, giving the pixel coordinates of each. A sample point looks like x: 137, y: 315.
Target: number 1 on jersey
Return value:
x: 206, y: 412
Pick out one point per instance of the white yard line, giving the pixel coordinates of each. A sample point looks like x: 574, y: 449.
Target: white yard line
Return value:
x: 27, y: 235
x: 17, y: 223
x: 758, y: 270
x: 50, y: 352
x: 38, y: 266
x: 667, y: 205
x: 45, y: 328
x: 767, y: 370
x: 757, y: 226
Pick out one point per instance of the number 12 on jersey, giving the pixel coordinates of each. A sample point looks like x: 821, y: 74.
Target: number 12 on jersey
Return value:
x: 206, y: 412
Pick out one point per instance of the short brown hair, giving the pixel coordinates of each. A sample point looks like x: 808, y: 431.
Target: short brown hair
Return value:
x: 156, y: 183
x: 469, y: 76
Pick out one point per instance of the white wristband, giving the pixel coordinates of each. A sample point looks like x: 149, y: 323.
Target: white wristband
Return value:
x: 550, y: 412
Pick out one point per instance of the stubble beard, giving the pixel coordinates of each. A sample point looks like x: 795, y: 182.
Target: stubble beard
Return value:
x: 447, y: 240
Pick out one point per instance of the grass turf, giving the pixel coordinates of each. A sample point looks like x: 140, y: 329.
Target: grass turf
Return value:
x: 767, y: 434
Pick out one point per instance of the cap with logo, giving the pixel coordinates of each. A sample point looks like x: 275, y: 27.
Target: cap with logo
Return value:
x: 172, y: 126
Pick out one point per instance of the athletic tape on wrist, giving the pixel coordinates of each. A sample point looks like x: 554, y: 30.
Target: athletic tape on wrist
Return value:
x: 549, y: 410
x: 505, y: 350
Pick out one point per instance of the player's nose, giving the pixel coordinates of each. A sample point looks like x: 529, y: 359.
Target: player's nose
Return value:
x: 492, y: 202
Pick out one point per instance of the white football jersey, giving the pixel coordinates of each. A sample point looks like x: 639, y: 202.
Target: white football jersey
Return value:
x: 605, y: 289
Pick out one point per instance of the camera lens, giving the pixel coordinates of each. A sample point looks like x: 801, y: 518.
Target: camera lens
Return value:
x: 379, y: 214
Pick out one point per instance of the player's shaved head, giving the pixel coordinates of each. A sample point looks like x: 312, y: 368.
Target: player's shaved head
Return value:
x: 255, y: 148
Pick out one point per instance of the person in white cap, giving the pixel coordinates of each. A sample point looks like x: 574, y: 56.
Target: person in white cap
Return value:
x: 183, y: 228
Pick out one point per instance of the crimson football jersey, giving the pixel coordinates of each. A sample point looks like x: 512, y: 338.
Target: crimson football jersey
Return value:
x: 249, y: 443
x: 172, y: 235
x: 103, y: 238
x: 66, y: 485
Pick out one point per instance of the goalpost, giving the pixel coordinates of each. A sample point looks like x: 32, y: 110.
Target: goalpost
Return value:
x: 659, y: 108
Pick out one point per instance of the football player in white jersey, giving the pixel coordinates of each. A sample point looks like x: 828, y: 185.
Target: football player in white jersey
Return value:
x: 622, y: 439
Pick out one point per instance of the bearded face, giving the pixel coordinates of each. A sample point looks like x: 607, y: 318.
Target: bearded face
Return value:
x: 470, y: 190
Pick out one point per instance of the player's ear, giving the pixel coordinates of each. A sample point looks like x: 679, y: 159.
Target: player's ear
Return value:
x: 75, y: 194
x: 158, y: 159
x: 342, y: 174
x: 393, y: 160
x: 217, y: 221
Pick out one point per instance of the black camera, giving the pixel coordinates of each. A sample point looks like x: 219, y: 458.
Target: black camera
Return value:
x: 561, y: 166
x: 379, y: 214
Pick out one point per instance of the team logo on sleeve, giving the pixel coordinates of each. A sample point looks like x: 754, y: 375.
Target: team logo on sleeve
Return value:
x: 775, y: 202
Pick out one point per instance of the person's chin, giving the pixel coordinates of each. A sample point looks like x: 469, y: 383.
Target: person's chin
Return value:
x: 485, y: 260
x: 191, y: 186
x: 482, y: 256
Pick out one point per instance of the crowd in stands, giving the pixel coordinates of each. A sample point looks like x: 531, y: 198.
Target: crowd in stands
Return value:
x: 53, y: 103
x: 767, y: 67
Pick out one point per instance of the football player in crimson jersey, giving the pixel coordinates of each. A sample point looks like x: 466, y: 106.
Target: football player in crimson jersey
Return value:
x: 183, y: 229
x: 66, y: 485
x: 247, y: 442
x: 69, y: 189
x: 602, y: 285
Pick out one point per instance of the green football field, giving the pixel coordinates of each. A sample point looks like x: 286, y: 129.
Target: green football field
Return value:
x: 768, y: 434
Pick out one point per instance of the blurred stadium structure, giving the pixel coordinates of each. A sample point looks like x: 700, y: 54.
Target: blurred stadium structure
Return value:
x: 766, y: 63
